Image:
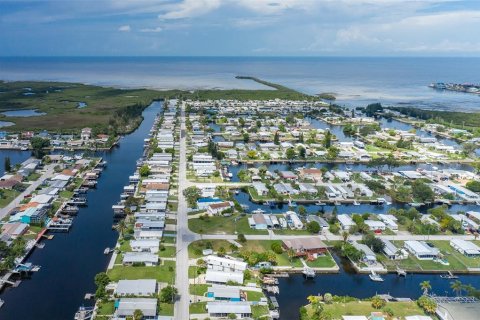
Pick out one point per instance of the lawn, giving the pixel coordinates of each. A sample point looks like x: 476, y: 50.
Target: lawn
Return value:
x: 168, y: 252
x: 198, y: 307
x: 33, y: 176
x: 452, y: 254
x: 265, y: 245
x: 222, y: 225
x: 195, y: 248
x: 259, y: 311
x: 400, y: 309
x: 7, y: 196
x: 105, y: 309
x: 191, y: 271
x: 165, y: 309
x: 199, y: 289
x: 163, y: 273
x: 254, y: 295
x: 322, y: 262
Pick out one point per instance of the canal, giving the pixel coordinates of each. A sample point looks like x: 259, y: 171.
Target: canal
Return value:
x: 70, y: 261
x: 295, y: 289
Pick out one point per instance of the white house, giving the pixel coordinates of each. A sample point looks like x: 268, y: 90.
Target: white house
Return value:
x: 465, y: 247
x: 142, y: 287
x: 421, y: 250
x: 346, y: 221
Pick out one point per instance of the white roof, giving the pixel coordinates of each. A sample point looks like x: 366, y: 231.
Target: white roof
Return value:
x: 225, y: 291
x: 420, y: 247
x: 136, y: 287
x: 223, y: 277
x: 345, y: 219
x: 418, y: 318
x: 42, y: 198
x: 354, y: 318
x: 127, y: 306
x: 146, y: 243
x: 225, y: 262
x: 236, y: 307
x: 374, y: 223
x: 132, y: 257
x: 467, y: 246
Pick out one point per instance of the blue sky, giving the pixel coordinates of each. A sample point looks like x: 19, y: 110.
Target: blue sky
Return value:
x: 240, y: 28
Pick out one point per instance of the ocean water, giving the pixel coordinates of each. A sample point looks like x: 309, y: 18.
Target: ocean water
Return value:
x: 355, y: 81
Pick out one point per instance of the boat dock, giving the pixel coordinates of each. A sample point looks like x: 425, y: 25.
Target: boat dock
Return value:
x: 59, y: 225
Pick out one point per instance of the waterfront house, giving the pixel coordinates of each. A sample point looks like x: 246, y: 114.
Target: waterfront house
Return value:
x: 229, y: 293
x: 346, y: 221
x: 390, y: 221
x: 307, y: 188
x: 285, y: 189
x: 309, y: 247
x: 466, y: 248
x: 369, y: 257
x: 148, y: 234
x: 321, y: 222
x: 125, y: 308
x: 375, y: 225
x: 147, y: 245
x: 13, y: 230
x: 293, y: 220
x: 203, y: 203
x: 86, y: 134
x: 133, y: 258
x: 392, y: 252
x: 260, y: 188
x: 223, y: 277
x: 222, y: 309
x: 421, y: 250
x: 258, y: 221
x: 311, y: 174
x: 225, y: 264
x: 142, y: 287
x: 219, y: 207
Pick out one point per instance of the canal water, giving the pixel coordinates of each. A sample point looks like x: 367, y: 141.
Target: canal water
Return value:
x: 70, y: 261
x: 295, y: 289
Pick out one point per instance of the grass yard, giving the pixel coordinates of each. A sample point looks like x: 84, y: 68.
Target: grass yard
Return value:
x: 322, y: 262
x: 168, y: 252
x: 254, y: 295
x: 452, y: 254
x: 105, y: 309
x: 195, y: 248
x: 259, y: 311
x: 222, y: 225
x: 165, y: 309
x: 400, y: 309
x: 199, y: 289
x: 7, y: 196
x: 198, y: 307
x: 265, y: 245
x: 163, y: 273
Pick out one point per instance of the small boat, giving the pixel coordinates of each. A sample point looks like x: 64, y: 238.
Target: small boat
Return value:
x: 356, y: 203
x: 319, y: 203
x: 108, y: 250
x: 449, y: 275
x: 308, y: 272
x: 237, y: 191
x: 1, y: 303
x: 258, y: 211
x: 375, y: 277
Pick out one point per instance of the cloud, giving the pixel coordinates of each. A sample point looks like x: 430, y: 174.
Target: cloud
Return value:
x: 156, y: 29
x: 125, y: 28
x: 191, y: 8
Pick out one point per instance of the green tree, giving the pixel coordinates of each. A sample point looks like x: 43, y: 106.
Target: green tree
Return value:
x: 192, y: 194
x: 313, y: 227
x: 473, y: 185
x: 427, y: 304
x: 246, y: 137
x: 425, y: 286
x: 276, y: 138
x: 168, y: 294
x: 144, y: 170
x: 422, y: 191
x: 327, y: 140
x: 137, y: 314
x: 290, y: 153
x: 38, y: 145
x: 302, y: 152
x: 7, y: 164
x: 457, y: 287
x: 378, y: 302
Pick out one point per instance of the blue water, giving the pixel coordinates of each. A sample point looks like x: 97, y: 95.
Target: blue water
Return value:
x: 23, y: 113
x: 70, y: 261
x: 356, y: 81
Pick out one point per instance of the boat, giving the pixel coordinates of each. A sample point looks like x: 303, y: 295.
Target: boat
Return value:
x: 449, y: 275
x: 108, y: 250
x: 375, y: 277
x: 319, y: 203
x: 356, y: 203
x: 237, y: 191
x: 308, y: 272
x: 1, y: 303
x: 234, y: 163
x: 258, y: 211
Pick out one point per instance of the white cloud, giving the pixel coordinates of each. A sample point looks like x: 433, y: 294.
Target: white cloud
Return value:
x: 156, y: 29
x: 191, y: 8
x: 125, y: 28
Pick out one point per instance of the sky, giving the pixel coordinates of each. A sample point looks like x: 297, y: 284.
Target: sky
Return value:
x: 239, y: 28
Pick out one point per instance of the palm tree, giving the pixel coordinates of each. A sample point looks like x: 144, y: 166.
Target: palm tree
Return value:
x: 291, y: 254
x: 121, y: 227
x: 457, y: 287
x: 425, y: 286
x: 345, y: 236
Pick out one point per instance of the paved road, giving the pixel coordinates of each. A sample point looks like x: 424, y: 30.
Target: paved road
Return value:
x: 184, y: 236
x: 49, y: 172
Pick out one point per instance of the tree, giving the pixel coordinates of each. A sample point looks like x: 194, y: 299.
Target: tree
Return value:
x: 327, y: 298
x: 276, y: 138
x: 327, y: 140
x: 137, y: 314
x: 252, y: 154
x: 468, y: 148
x: 7, y: 164
x: 425, y: 286
x: 192, y: 194
x: 290, y: 153
x: 317, y: 307
x: 144, y: 170
x: 246, y: 137
x: 378, y: 302
x: 241, y: 238
x: 345, y: 236
x: 473, y: 185
x: 302, y: 152
x: 101, y: 279
x: 232, y: 316
x: 313, y: 227
x: 427, y: 304
x: 373, y: 243
x: 457, y: 287
x: 332, y: 153
x: 168, y: 294
x: 38, y: 145
x: 373, y: 108
x: 422, y: 191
